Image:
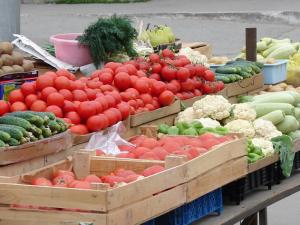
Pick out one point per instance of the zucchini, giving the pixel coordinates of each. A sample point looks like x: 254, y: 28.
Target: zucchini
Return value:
x: 4, y: 136
x: 2, y: 144
x: 289, y: 124
x: 265, y: 108
x: 275, y: 116
x: 34, y: 119
x: 13, y: 142
x: 13, y: 132
x: 276, y: 97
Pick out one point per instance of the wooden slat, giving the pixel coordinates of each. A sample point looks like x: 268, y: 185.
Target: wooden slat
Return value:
x: 213, y: 158
x: 53, y: 197
x: 262, y: 163
x: 147, y: 209
x: 216, y: 177
x: 81, y: 164
x: 296, y: 145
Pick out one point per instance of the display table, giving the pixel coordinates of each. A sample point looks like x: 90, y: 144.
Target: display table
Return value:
x: 254, y: 207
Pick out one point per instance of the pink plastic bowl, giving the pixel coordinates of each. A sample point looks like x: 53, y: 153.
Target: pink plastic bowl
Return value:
x: 68, y: 49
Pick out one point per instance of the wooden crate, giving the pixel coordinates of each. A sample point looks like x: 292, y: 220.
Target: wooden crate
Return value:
x: 130, y: 204
x: 296, y: 145
x: 28, y: 151
x: 146, y: 117
x: 202, y: 47
x: 244, y: 86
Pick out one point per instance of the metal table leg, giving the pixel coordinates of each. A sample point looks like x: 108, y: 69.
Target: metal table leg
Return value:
x: 263, y: 217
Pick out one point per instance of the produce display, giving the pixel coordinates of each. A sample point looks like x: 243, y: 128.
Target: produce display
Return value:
x: 218, y: 60
x: 269, y: 49
x: 237, y: 70
x: 12, y: 61
x: 17, y: 128
x: 194, y: 56
x: 159, y: 149
x: 118, y: 178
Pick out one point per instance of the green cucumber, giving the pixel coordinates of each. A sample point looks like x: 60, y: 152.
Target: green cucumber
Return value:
x: 13, y: 142
x: 13, y: 132
x: 4, y: 136
x: 34, y: 119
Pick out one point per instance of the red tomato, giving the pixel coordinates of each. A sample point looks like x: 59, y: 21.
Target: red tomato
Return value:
x: 122, y: 81
x: 133, y: 103
x: 111, y: 116
x: 117, y: 113
x: 95, y: 123
x: 79, y: 129
x: 92, y: 178
x: 154, y: 58
x: 121, y: 69
x: 103, y: 102
x: 171, y: 87
x: 94, y: 84
x: 116, y: 96
x: 197, y: 92
x: 62, y: 173
x: 167, y: 53
x: 206, y: 88
x: 158, y: 87
x: 166, y: 98
x: 209, y: 75
x: 82, y: 185
x: 78, y: 85
x: 183, y: 74
x: 133, y: 79
x: 18, y: 106
x: 67, y: 120
x: 65, y: 73
x: 55, y: 110
x: 155, y: 103
x: 38, y: 106
x: 62, y: 83
x: 91, y: 93
x: 187, y: 85
x: 63, y: 179
x: 28, y: 88
x: 168, y: 73
x: 142, y: 86
x: 147, y: 98
x: 106, y: 78
x: 112, y: 65
x: 141, y: 73
x: 106, y: 87
x: 124, y: 109
x: 51, y: 74
x: 144, y: 66
x: 74, y: 117
x: 134, y: 92
x: 131, y: 69
x: 156, y: 68
x: 105, y: 121
x: 4, y: 107
x: 44, y: 81
x: 110, y: 100
x: 150, y: 107
x: 68, y: 106
x: 200, y: 71
x: 220, y: 85
x: 87, y: 109
x: 55, y: 99
x: 46, y: 92
x: 140, y: 102
x: 67, y: 94
x: 98, y: 106
x: 79, y: 95
x: 154, y: 76
x: 191, y: 69
x: 16, y: 96
x: 185, y: 61
x: 41, y: 181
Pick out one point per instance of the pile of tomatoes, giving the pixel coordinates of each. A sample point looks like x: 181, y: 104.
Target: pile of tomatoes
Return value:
x: 113, y: 93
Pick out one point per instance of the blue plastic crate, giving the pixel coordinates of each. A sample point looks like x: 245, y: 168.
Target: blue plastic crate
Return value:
x: 275, y: 73
x: 193, y: 211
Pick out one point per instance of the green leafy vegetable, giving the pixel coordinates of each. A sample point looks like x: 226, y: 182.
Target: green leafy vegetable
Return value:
x: 283, y: 145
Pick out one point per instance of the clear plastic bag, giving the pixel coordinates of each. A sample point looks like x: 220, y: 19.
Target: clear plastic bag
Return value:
x: 109, y: 140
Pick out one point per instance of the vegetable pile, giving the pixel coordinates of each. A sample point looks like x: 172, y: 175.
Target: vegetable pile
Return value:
x: 12, y: 61
x: 237, y: 70
x: 21, y: 127
x: 153, y: 149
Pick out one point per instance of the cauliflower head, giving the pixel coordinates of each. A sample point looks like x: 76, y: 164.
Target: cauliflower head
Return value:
x: 188, y: 116
x: 265, y: 145
x: 243, y: 111
x: 208, y: 122
x: 241, y: 126
x: 265, y: 129
x: 214, y: 106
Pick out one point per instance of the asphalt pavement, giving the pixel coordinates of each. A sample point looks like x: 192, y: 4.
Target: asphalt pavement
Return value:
x: 221, y: 23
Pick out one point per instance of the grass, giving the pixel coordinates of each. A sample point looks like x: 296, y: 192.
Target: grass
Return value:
x: 96, y: 1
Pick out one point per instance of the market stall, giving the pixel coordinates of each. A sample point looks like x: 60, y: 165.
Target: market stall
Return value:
x: 142, y: 134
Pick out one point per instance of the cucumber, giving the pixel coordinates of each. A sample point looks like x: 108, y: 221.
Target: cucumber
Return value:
x: 2, y: 144
x: 245, y: 74
x: 224, y: 79
x: 13, y: 132
x: 46, y: 132
x: 34, y: 119
x: 12, y: 120
x: 13, y: 142
x: 48, y: 115
x: 63, y: 124
x: 226, y: 69
x: 42, y: 115
x: 4, y: 136
x: 54, y: 126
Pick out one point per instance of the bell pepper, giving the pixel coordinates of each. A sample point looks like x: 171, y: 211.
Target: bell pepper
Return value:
x: 173, y: 130
x: 163, y: 128
x: 190, y: 131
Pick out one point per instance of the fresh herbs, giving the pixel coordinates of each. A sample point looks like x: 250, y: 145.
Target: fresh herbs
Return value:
x: 109, y: 36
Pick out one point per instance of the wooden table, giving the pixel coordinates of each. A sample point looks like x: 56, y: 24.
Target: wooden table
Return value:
x: 254, y: 207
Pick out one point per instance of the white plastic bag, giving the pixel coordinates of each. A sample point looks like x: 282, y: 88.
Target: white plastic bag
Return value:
x: 108, y: 141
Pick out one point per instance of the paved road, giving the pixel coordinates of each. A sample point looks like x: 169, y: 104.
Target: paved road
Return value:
x: 220, y: 23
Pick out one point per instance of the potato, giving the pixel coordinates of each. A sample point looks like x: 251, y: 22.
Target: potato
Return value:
x: 17, y: 58
x: 18, y: 68
x: 7, y: 69
x: 7, y: 60
x: 27, y: 65
x: 6, y: 47
x: 275, y: 89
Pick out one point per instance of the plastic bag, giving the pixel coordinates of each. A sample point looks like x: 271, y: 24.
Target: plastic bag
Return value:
x: 108, y: 140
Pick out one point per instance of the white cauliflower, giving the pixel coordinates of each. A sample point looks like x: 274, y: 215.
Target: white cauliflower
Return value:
x: 265, y: 129
x: 208, y: 122
x: 214, y: 106
x: 188, y: 116
x: 243, y: 111
x: 265, y: 145
x: 194, y: 56
x: 241, y: 126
